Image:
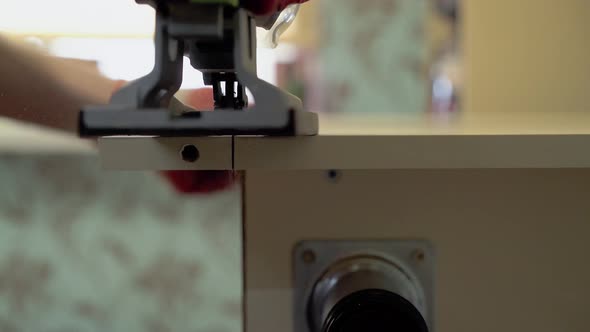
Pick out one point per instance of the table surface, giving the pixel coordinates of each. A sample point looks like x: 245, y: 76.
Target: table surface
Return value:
x: 501, y: 140
x: 500, y: 123
x: 526, y: 140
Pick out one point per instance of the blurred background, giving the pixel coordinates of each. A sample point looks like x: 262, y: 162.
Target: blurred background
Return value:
x: 404, y: 56
x: 334, y: 56
x: 87, y: 250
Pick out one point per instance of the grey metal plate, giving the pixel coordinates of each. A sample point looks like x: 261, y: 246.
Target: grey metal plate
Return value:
x: 414, y: 256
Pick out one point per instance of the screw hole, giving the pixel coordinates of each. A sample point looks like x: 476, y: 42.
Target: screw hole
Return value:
x: 334, y: 175
x: 419, y: 255
x: 308, y: 256
x: 190, y: 153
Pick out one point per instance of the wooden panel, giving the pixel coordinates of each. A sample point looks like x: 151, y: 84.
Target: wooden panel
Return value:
x: 379, y: 142
x: 511, y: 245
x: 390, y: 152
x: 350, y: 152
x: 149, y: 153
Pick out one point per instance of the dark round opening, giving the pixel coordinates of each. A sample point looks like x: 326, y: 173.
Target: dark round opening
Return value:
x: 190, y: 153
x: 333, y: 175
x: 374, y: 310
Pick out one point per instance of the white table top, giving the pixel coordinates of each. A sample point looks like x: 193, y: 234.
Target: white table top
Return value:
x: 526, y: 140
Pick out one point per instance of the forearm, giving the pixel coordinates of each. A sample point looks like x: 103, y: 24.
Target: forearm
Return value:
x: 46, y: 90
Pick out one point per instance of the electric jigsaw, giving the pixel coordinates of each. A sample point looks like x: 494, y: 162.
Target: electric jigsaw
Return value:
x: 219, y: 38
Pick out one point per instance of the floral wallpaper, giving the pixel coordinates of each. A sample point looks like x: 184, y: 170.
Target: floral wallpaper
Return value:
x: 87, y: 250
x: 373, y: 55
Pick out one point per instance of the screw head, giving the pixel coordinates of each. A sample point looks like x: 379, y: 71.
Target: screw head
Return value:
x: 418, y: 255
x: 308, y: 256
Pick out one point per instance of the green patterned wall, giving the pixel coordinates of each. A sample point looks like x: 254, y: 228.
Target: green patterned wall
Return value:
x: 86, y: 250
x: 374, y: 55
